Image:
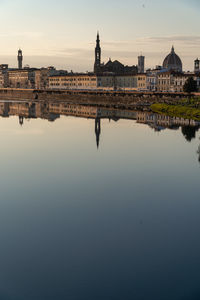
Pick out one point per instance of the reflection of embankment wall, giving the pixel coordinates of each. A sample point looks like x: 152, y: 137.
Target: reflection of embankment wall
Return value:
x: 103, y: 98
x: 53, y: 110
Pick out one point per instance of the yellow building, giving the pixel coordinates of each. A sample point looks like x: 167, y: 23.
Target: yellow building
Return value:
x: 73, y: 81
x: 141, y: 82
x: 24, y: 79
x: 165, y: 81
x: 94, y: 82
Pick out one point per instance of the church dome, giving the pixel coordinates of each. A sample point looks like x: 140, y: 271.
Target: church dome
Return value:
x: 172, y: 62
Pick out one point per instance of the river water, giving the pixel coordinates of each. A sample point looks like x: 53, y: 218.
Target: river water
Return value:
x: 98, y: 204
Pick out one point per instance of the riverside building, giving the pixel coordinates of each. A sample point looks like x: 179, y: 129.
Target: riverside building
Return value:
x: 110, y: 76
x: 171, y: 81
x: 141, y: 84
x: 165, y: 81
x: 94, y: 82
x: 24, y: 78
x: 73, y: 81
x: 4, y: 76
x: 42, y: 77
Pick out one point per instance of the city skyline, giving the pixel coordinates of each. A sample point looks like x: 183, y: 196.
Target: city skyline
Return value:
x: 66, y: 32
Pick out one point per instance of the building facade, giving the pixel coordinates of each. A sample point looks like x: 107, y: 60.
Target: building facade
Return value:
x: 165, y: 81
x: 4, y: 83
x: 73, y: 81
x: 171, y: 81
x: 178, y: 81
x: 125, y: 82
x: 42, y: 77
x: 24, y: 78
x: 141, y: 82
x: 94, y: 82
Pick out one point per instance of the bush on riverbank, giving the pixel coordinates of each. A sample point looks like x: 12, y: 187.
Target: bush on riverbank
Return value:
x: 192, y: 102
x: 181, y: 111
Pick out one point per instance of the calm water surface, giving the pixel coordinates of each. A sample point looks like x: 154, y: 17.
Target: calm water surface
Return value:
x: 116, y: 222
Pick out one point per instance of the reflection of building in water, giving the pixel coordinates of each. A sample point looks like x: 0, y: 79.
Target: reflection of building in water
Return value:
x: 53, y: 110
x: 73, y: 110
x: 4, y: 109
x: 160, y: 122
x: 21, y: 109
x: 117, y: 114
x: 27, y: 110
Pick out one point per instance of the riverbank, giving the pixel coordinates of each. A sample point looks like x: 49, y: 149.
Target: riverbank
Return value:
x: 187, y: 109
x: 107, y: 99
x: 93, y: 96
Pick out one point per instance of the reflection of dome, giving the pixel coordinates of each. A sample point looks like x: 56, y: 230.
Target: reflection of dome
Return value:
x: 173, y: 62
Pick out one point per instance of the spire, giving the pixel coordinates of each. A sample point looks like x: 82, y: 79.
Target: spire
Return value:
x: 97, y: 63
x: 172, y: 51
x: 98, y: 40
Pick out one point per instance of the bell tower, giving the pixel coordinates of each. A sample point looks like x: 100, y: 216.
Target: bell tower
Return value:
x: 141, y: 64
x: 197, y: 65
x: 20, y: 59
x: 97, y: 64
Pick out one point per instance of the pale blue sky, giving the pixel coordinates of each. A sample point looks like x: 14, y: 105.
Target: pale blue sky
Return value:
x: 62, y: 32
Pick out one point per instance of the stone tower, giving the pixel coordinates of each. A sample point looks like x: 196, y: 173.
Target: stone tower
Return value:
x: 97, y: 64
x: 20, y: 59
x: 141, y: 62
x: 197, y: 65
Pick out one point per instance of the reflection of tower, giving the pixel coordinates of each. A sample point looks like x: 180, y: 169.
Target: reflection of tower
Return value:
x: 97, y: 64
x: 21, y: 120
x: 141, y: 62
x: 20, y: 59
x: 198, y: 152
x: 98, y: 130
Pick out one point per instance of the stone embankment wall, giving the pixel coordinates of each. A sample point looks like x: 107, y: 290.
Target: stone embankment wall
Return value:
x: 119, y: 99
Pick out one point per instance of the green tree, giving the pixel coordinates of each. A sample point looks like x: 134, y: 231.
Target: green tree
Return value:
x: 190, y: 85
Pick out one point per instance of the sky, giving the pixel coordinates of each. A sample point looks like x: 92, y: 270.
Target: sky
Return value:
x: 62, y: 33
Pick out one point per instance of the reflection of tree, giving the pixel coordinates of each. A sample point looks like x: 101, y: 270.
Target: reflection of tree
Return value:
x: 189, y: 132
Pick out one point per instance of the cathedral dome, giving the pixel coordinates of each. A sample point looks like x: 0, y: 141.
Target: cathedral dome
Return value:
x: 172, y: 62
